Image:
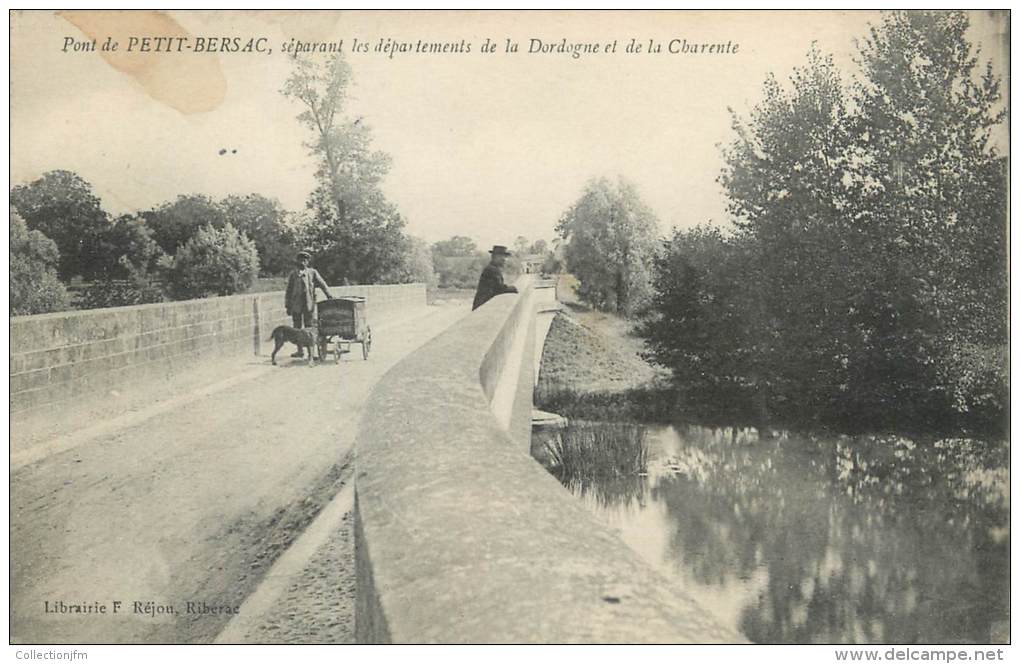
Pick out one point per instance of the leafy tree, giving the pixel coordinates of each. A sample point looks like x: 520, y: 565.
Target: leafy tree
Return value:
x: 791, y: 198
x: 458, y: 262
x: 706, y: 323
x: 358, y: 235
x: 870, y: 240
x: 370, y: 249
x: 132, y: 261
x: 937, y: 198
x: 458, y: 245
x: 610, y: 241
x: 34, y: 286
x: 539, y: 247
x: 521, y: 245
x: 216, y: 261
x: 551, y: 264
x: 62, y: 206
x: 264, y: 221
x: 417, y: 266
x: 130, y: 248
x: 460, y: 271
x: 176, y: 222
x: 348, y: 170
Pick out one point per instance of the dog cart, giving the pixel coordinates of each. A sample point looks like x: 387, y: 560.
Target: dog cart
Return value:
x: 342, y: 322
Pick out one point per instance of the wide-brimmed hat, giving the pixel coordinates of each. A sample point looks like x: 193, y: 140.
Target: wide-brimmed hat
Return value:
x: 304, y: 254
x: 499, y: 249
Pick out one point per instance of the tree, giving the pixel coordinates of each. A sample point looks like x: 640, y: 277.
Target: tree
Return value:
x: 34, y: 286
x: 347, y: 170
x: 62, y: 206
x: 521, y: 245
x: 460, y: 271
x: 417, y: 267
x: 358, y: 235
x: 130, y: 248
x: 551, y: 264
x: 539, y: 247
x: 216, y: 261
x: 370, y: 249
x: 264, y: 221
x: 132, y: 259
x: 176, y: 222
x: 458, y: 245
x: 793, y: 200
x: 458, y: 262
x: 937, y: 197
x: 610, y: 241
x: 706, y: 326
x: 870, y: 219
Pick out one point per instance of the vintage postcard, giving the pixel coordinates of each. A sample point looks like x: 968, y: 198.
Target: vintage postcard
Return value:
x: 673, y: 327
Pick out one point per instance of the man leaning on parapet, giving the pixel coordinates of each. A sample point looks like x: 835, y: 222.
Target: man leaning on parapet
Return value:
x: 491, y: 283
x: 300, y: 298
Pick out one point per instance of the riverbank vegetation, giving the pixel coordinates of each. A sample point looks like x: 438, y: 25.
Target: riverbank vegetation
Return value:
x: 862, y: 282
x: 598, y: 451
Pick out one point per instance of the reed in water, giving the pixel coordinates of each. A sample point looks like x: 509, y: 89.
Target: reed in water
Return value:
x: 587, y: 450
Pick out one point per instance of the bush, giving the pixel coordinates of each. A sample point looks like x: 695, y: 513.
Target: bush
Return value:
x: 34, y: 287
x: 118, y: 293
x: 216, y: 261
x: 138, y: 288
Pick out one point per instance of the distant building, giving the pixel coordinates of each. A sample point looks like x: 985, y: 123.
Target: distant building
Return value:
x: 532, y: 263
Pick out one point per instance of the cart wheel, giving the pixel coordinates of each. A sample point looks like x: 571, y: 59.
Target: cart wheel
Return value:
x: 366, y: 345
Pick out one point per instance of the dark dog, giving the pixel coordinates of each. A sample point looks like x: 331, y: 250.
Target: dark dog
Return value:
x: 301, y: 338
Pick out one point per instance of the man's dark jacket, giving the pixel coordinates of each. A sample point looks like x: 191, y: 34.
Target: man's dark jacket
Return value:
x: 490, y: 284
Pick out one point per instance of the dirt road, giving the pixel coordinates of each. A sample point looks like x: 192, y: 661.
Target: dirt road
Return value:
x: 155, y: 530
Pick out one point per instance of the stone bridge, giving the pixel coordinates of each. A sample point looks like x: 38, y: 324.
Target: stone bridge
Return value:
x: 158, y: 464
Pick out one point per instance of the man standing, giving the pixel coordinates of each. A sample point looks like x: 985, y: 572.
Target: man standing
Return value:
x: 491, y: 283
x: 300, y: 298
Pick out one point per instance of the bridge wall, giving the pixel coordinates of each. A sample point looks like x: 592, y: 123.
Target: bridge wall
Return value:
x: 461, y: 537
x: 61, y: 356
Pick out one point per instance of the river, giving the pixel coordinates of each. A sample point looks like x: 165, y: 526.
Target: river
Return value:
x: 794, y: 539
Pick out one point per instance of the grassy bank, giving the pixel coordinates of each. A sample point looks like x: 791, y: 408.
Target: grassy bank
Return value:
x: 592, y: 368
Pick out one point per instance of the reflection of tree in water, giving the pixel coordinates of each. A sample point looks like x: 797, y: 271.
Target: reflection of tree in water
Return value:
x: 879, y: 553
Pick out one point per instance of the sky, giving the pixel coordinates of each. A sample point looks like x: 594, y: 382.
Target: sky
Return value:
x: 487, y: 145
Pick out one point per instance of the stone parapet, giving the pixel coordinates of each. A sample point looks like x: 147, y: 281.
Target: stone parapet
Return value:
x: 462, y: 537
x: 66, y: 355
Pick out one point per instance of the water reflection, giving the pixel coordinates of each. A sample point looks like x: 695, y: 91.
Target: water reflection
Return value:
x: 794, y: 540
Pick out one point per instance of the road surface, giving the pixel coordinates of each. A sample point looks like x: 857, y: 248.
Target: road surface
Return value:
x: 155, y: 525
